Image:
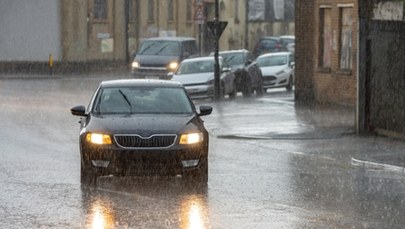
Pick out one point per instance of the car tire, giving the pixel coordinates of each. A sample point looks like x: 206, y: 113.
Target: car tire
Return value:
x: 290, y: 84
x: 87, y: 176
x: 259, y: 91
x: 247, y: 89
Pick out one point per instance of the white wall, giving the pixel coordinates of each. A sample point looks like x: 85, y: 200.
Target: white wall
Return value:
x: 30, y: 30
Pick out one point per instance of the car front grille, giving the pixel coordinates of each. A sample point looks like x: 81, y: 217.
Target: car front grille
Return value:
x: 137, y: 141
x: 269, y: 78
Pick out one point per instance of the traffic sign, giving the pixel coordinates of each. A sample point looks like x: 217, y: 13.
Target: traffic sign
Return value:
x: 217, y: 27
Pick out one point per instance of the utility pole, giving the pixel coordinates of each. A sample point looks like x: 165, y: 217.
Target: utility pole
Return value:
x: 217, y: 92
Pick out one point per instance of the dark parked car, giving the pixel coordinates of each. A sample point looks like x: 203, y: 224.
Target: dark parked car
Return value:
x: 247, y: 73
x: 268, y: 45
x: 288, y: 42
x: 142, y: 127
x: 160, y: 55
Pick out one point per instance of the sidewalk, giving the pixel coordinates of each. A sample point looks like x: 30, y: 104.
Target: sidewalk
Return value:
x: 373, y: 151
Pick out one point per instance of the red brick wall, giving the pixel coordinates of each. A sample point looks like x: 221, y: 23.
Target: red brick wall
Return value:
x: 332, y: 85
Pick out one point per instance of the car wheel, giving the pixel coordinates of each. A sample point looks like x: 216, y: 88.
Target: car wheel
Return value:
x: 87, y: 175
x: 290, y: 84
x: 259, y: 90
x: 232, y: 95
x: 247, y: 90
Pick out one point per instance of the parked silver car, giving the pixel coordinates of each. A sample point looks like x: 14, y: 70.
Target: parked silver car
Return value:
x: 197, y: 76
x: 277, y: 69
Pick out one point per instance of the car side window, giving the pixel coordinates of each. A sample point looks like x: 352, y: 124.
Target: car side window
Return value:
x: 190, y: 48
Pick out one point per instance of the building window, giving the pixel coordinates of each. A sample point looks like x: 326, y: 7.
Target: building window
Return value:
x: 151, y: 10
x: 345, y: 38
x: 325, y: 37
x: 100, y: 10
x: 170, y: 10
x: 189, y: 11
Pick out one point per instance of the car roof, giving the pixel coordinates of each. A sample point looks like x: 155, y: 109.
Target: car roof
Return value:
x: 234, y: 51
x: 205, y: 58
x: 170, y: 39
x: 288, y: 36
x: 140, y: 82
x: 269, y: 38
x: 274, y: 54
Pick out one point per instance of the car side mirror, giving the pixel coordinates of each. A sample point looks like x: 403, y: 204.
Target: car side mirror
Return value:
x: 225, y: 69
x: 292, y: 64
x: 248, y: 62
x: 205, y: 110
x: 79, y: 111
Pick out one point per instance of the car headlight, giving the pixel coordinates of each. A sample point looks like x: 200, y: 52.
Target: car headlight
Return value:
x: 135, y: 64
x: 193, y: 138
x: 99, y: 139
x: 173, y: 66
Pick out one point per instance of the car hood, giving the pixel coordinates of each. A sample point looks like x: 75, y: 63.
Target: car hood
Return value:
x: 155, y: 60
x: 199, y: 78
x: 272, y: 70
x: 237, y: 67
x: 144, y: 125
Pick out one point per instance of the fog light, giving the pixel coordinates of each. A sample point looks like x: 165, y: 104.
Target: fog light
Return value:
x: 100, y: 163
x: 189, y: 163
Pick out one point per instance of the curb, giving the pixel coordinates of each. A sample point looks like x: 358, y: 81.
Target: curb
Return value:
x: 377, y: 166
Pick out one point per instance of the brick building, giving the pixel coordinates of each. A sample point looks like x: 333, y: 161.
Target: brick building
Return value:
x: 326, y: 51
x: 81, y: 34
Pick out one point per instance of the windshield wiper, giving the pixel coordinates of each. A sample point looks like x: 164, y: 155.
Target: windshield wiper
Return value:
x: 145, y: 49
x: 163, y: 48
x: 126, y: 99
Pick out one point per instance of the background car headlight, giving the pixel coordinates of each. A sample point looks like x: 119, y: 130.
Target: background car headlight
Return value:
x: 135, y: 64
x: 173, y: 66
x: 187, y: 139
x: 99, y: 139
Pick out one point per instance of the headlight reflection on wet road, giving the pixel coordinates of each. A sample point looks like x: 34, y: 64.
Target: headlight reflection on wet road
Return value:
x: 101, y: 217
x: 193, y: 213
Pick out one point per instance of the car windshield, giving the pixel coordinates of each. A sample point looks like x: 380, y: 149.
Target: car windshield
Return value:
x: 158, y: 47
x: 142, y: 100
x: 193, y: 67
x: 233, y: 58
x: 268, y: 61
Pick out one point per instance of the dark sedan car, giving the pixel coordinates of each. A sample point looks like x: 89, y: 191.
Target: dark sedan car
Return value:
x: 268, y: 45
x: 142, y: 127
x: 247, y: 73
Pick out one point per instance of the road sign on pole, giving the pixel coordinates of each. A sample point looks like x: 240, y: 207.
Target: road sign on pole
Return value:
x: 217, y: 27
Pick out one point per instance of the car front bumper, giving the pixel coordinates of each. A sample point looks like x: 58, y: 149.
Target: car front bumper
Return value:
x: 150, y: 73
x: 118, y: 161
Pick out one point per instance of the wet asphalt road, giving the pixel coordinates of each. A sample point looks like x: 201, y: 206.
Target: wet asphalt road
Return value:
x: 272, y: 165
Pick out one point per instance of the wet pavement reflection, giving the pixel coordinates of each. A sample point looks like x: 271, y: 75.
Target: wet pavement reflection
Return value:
x: 122, y: 202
